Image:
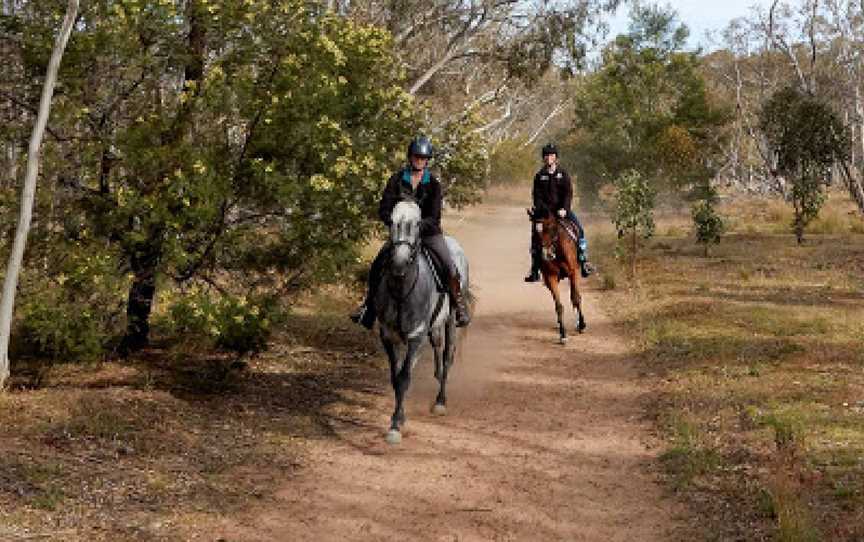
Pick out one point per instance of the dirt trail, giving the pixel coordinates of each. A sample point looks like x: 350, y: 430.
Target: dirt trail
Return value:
x: 541, y: 442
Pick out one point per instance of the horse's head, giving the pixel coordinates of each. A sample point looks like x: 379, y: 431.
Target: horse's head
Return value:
x: 546, y: 230
x: 404, y: 236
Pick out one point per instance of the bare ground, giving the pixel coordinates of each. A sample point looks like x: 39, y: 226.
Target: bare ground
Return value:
x: 541, y: 442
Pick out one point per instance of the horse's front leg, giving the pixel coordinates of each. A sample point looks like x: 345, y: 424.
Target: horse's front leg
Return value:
x: 551, y: 280
x: 576, y: 300
x: 390, y: 349
x: 401, y: 382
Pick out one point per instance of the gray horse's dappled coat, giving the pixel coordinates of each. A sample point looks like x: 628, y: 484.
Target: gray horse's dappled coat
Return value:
x: 411, y: 309
x: 406, y: 304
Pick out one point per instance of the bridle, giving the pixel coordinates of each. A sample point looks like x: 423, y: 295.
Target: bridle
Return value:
x: 548, y: 251
x: 414, y: 248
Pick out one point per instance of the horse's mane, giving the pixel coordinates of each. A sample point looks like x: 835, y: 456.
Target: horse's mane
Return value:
x: 405, y: 211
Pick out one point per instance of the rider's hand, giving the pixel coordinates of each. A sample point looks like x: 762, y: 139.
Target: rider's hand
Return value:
x: 538, y: 227
x: 562, y: 212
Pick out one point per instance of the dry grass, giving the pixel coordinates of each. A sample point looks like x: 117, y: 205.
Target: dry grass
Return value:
x: 758, y: 356
x: 157, y: 448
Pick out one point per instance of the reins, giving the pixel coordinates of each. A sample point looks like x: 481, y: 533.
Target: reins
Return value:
x: 400, y: 300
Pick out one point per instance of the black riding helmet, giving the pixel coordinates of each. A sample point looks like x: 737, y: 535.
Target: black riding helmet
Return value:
x: 420, y: 146
x: 549, y: 148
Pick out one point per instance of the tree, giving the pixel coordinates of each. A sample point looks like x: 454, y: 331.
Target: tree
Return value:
x: 646, y: 109
x: 633, y: 213
x: 816, y: 46
x: 13, y: 268
x: 808, y: 139
x: 709, y: 225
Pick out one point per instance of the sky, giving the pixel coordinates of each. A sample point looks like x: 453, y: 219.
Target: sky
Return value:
x: 699, y: 16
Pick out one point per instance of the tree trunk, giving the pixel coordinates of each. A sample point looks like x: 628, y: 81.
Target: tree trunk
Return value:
x: 145, y: 265
x: 10, y: 284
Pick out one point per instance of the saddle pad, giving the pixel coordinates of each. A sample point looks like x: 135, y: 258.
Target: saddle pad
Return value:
x: 570, y: 227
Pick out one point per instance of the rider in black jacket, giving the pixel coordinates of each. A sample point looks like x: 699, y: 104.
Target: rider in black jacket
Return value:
x: 552, y: 193
x: 416, y: 182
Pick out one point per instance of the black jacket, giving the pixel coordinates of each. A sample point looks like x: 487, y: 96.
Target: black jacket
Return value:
x: 552, y: 191
x: 428, y: 196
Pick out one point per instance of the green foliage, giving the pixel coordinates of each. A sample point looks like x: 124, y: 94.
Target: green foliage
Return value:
x: 74, y: 310
x: 462, y: 161
x: 257, y: 151
x: 57, y: 330
x: 808, y: 138
x: 512, y: 162
x: 634, y: 205
x: 646, y: 109
x: 633, y: 214
x: 232, y: 323
x: 708, y: 223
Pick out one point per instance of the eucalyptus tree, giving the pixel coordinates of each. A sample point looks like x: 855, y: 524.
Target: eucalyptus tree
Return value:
x: 16, y: 256
x: 498, y: 67
x: 815, y: 46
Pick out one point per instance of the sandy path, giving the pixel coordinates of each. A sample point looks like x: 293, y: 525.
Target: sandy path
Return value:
x: 541, y: 442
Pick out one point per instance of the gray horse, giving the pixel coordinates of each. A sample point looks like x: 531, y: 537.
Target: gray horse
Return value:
x: 410, y: 308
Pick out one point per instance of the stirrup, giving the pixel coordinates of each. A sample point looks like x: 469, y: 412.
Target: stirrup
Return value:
x: 586, y: 269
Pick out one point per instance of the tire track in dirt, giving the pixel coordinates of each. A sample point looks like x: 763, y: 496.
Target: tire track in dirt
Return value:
x: 541, y: 442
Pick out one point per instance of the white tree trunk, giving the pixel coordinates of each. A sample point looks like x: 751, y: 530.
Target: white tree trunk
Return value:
x: 10, y: 283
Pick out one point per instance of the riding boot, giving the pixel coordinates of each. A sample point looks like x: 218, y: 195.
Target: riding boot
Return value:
x: 366, y: 314
x: 463, y: 318
x: 534, y: 274
x: 582, y: 255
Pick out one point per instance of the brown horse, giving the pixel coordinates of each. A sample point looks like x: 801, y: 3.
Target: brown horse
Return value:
x: 559, y: 261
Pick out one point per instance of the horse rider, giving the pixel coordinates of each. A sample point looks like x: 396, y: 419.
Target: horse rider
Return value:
x: 415, y: 182
x: 553, y: 193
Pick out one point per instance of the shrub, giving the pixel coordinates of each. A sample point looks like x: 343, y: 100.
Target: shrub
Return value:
x: 232, y: 323
x: 74, y: 312
x: 57, y: 330
x: 709, y: 225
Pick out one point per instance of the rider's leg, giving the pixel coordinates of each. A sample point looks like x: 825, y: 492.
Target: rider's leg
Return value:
x: 582, y: 248
x: 450, y: 275
x: 534, y: 274
x: 365, y: 314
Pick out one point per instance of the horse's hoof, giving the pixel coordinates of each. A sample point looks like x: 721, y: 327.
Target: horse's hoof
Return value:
x: 394, y: 436
x: 581, y: 329
x: 562, y: 340
x: 439, y: 409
